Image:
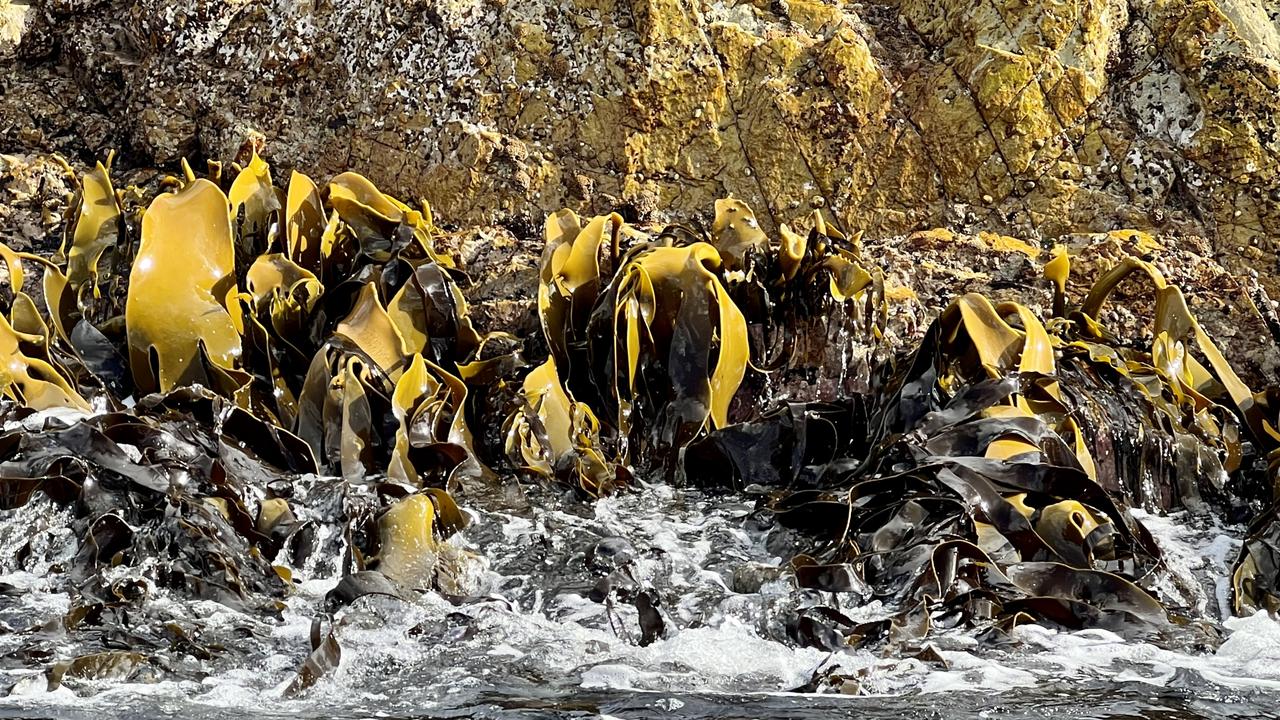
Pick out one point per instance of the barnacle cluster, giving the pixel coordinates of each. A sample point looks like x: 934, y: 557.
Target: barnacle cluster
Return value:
x: 263, y: 381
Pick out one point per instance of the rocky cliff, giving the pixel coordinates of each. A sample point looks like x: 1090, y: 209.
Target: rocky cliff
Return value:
x: 1044, y: 120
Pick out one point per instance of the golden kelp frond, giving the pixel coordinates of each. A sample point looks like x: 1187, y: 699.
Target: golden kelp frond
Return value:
x: 97, y: 227
x: 274, y: 275
x: 410, y: 534
x: 555, y: 437
x: 433, y: 440
x: 408, y: 541
x: 182, y: 290
x: 815, y: 285
x: 432, y: 316
x: 256, y: 207
x: 679, y: 347
x: 1012, y: 448
x: 310, y: 312
x: 304, y: 222
x: 791, y: 251
x: 379, y: 221
x: 654, y: 338
x: 570, y: 283
x: 33, y: 381
x: 737, y: 234
x: 369, y: 328
x: 270, y: 340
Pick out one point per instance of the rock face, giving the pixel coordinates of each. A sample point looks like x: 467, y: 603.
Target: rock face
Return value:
x: 1045, y: 120
x: 1033, y: 118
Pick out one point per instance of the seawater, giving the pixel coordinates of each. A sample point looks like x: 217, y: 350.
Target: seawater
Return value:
x: 534, y: 645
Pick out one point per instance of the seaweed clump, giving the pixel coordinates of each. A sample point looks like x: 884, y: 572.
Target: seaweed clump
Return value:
x: 982, y: 479
x: 241, y: 383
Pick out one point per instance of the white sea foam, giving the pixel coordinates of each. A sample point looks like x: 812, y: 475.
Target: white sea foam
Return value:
x: 540, y: 630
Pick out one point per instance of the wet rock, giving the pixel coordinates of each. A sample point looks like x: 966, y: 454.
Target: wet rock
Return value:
x: 34, y: 190
x: 14, y: 19
x: 750, y: 577
x: 609, y: 554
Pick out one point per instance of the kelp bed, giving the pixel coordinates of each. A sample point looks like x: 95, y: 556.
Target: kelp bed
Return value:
x: 233, y: 387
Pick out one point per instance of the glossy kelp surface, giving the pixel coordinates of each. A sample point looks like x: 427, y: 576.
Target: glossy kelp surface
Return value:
x: 236, y: 386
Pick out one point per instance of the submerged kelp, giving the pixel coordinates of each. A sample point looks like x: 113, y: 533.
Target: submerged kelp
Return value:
x: 242, y: 386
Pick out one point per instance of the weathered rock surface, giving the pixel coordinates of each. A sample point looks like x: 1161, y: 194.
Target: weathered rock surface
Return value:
x: 1045, y: 120
x: 1034, y: 118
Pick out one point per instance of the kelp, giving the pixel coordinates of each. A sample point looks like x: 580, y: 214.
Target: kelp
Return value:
x: 999, y: 444
x: 680, y: 348
x: 651, y: 343
x: 235, y: 340
x: 981, y: 480
x: 991, y: 445
x: 184, y: 271
x: 287, y: 380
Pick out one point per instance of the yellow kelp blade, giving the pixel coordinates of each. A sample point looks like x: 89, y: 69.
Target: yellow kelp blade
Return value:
x: 349, y: 406
x: 182, y: 289
x: 362, y: 206
x: 1064, y: 526
x: 731, y: 364
x: 1057, y: 271
x: 1174, y: 318
x: 997, y: 344
x: 847, y: 277
x: 580, y: 264
x: 569, y: 276
x: 429, y: 405
x: 13, y: 262
x: 1037, y: 347
x: 555, y: 436
x: 543, y: 391
x: 430, y: 301
x: 31, y: 381
x: 736, y: 233
x: 97, y: 226
x: 26, y: 320
x: 24, y: 316
x: 791, y: 251
x: 408, y: 542
x: 669, y: 292
x: 1008, y: 447
x: 372, y: 330
x: 59, y: 301
x: 374, y: 216
x: 1112, y: 278
x: 413, y: 387
x: 304, y: 223
x: 276, y: 273
x: 1082, y: 449
x: 255, y: 204
x: 449, y: 518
